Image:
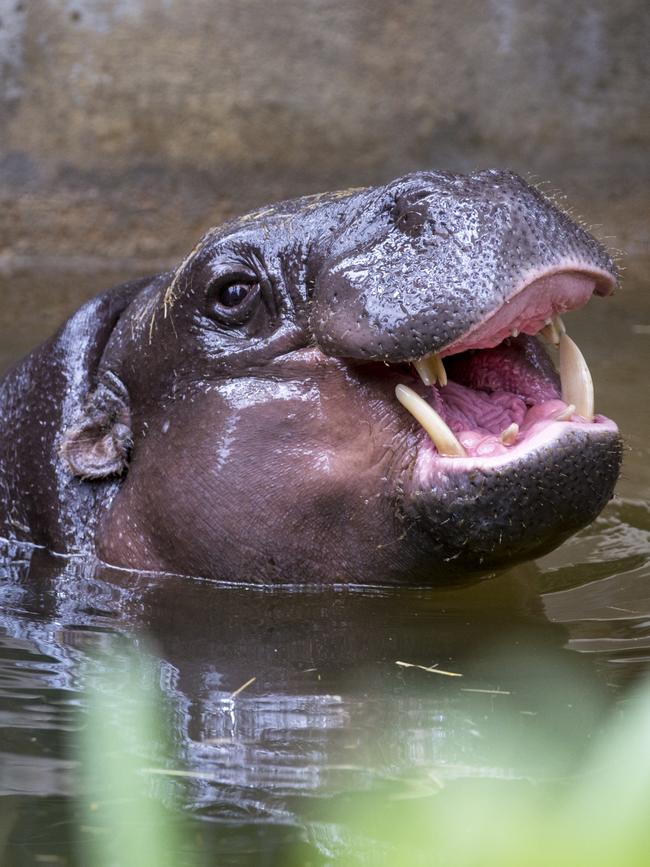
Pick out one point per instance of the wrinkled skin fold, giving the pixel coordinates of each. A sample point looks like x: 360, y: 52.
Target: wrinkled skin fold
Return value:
x: 236, y: 418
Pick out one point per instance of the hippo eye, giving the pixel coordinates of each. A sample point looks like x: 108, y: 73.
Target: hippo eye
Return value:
x: 231, y: 298
x: 234, y: 294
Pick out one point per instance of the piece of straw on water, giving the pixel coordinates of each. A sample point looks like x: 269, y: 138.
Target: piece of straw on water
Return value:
x: 243, y: 687
x: 432, y: 669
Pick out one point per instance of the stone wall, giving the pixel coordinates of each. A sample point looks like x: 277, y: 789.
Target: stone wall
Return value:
x: 129, y: 126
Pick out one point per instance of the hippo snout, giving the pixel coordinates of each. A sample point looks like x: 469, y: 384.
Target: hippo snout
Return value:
x: 440, y: 254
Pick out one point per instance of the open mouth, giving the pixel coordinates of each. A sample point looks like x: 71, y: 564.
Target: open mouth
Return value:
x: 497, y: 389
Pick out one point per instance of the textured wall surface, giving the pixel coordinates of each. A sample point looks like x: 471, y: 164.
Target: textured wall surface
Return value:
x: 129, y: 126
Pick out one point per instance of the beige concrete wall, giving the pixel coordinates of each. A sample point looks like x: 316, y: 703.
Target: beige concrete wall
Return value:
x: 129, y: 126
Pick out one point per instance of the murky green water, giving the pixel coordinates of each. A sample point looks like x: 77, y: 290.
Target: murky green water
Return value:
x: 330, y: 711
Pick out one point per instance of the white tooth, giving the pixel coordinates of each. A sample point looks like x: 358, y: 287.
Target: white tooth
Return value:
x: 553, y: 330
x: 565, y: 413
x: 431, y: 369
x: 550, y: 333
x: 509, y: 435
x: 426, y: 370
x: 515, y: 332
x: 443, y: 439
x: 442, y: 373
x: 577, y: 385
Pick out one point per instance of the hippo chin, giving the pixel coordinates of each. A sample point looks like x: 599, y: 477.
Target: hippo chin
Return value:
x: 349, y: 387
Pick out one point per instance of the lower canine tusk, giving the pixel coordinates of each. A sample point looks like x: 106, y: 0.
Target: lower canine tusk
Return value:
x: 577, y: 384
x: 441, y: 435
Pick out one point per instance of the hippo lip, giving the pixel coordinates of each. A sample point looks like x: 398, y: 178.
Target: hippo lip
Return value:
x: 497, y: 393
x: 540, y: 296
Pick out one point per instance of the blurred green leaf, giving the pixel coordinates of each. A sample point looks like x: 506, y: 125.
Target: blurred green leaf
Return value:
x: 127, y: 823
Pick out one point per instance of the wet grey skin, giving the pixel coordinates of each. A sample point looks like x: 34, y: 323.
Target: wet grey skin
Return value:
x: 236, y: 418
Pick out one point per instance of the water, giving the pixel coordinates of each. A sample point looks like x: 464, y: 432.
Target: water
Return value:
x: 330, y: 710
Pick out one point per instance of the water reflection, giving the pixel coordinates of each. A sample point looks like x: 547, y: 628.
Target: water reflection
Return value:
x: 603, y: 593
x: 329, y: 711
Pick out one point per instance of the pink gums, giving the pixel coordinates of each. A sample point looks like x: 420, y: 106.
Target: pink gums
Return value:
x: 496, y: 380
x: 491, y: 389
x: 528, y: 309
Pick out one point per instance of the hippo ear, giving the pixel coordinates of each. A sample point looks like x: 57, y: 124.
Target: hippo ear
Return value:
x: 98, y: 445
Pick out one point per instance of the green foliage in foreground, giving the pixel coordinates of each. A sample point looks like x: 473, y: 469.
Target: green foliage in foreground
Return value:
x: 125, y: 826
x: 596, y: 816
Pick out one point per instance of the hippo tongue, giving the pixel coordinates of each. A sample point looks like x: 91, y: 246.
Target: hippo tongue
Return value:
x: 519, y: 365
x: 487, y: 400
x: 463, y: 408
x: 489, y: 390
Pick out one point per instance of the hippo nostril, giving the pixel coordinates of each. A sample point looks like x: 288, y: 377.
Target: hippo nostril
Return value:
x: 410, y: 213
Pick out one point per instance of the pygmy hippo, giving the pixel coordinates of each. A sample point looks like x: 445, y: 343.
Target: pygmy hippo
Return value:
x: 350, y: 387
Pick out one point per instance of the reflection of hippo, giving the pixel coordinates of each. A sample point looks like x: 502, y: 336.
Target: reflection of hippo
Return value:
x: 238, y: 418
x: 329, y: 711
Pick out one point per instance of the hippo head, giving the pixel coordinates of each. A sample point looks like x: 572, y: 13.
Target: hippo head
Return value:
x: 354, y: 387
